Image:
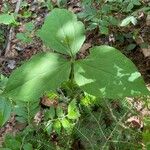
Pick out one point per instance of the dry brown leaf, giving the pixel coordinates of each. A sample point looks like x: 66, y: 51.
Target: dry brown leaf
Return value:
x: 85, y: 47
x: 148, y: 20
x: 146, y: 51
x: 49, y: 102
x: 12, y: 54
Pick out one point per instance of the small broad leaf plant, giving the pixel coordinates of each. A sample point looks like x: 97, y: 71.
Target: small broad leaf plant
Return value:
x: 105, y: 73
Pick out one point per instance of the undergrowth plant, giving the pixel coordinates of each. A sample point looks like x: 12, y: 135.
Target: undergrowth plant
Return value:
x: 106, y: 15
x: 105, y: 74
x: 28, y: 35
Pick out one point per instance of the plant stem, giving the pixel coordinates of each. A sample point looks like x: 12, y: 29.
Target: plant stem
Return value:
x: 72, y: 73
x: 71, y: 78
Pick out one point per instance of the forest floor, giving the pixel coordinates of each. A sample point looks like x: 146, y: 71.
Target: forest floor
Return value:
x: 35, y: 11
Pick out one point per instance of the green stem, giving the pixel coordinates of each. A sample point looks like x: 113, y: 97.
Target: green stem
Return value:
x: 28, y: 112
x: 72, y: 73
x: 71, y: 78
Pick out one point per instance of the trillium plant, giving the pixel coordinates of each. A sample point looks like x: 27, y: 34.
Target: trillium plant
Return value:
x: 104, y: 73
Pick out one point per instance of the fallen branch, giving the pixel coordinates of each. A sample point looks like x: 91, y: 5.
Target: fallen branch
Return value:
x: 11, y: 31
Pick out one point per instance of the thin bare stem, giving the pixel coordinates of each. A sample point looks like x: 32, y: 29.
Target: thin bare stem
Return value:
x: 11, y: 31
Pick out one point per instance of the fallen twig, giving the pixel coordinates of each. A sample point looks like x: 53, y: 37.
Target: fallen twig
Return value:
x: 11, y: 31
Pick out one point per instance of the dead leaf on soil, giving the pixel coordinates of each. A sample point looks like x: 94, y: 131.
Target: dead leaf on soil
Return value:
x: 12, y: 53
x: 38, y: 117
x: 85, y: 47
x: 135, y: 121
x: 46, y: 101
x: 145, y: 51
x: 11, y: 64
x: 148, y: 20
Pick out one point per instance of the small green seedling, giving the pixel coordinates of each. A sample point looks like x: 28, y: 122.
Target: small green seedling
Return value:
x: 7, y: 19
x: 27, y: 35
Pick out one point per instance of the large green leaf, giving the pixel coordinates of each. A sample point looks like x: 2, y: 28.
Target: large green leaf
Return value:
x: 108, y: 73
x: 45, y: 71
x: 5, y: 111
x: 62, y: 32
